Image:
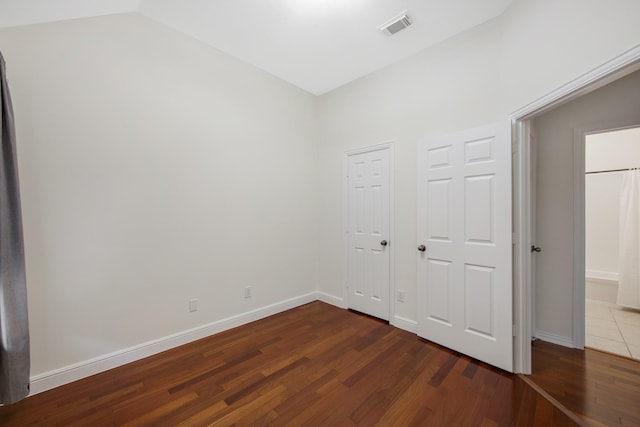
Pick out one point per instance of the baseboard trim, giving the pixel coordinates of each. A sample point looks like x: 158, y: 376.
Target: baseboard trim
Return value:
x: 554, y: 339
x: 609, y: 277
x: 331, y: 299
x: 77, y: 371
x: 405, y: 324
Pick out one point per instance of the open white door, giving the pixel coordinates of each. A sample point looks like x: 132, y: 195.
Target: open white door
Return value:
x: 368, y: 232
x: 465, y: 244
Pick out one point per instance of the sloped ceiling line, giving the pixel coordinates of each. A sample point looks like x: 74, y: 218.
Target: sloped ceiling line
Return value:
x: 317, y: 45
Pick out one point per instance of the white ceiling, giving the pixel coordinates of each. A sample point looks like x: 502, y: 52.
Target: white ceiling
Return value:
x: 317, y: 45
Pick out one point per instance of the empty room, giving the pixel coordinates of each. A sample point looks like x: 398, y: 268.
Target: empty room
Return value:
x: 313, y: 212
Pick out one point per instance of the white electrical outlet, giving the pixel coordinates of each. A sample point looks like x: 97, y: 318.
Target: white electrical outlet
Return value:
x: 193, y: 305
x: 400, y: 296
x: 247, y: 291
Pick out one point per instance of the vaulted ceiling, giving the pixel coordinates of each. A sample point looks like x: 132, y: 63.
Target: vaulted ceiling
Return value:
x: 317, y: 45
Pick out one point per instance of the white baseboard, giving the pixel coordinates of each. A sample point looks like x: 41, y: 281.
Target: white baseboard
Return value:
x: 602, y: 276
x: 331, y: 299
x: 67, y: 374
x: 554, y: 339
x: 405, y: 324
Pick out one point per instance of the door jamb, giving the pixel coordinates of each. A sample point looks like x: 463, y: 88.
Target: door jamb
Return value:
x: 345, y: 222
x: 612, y: 70
x: 523, y: 288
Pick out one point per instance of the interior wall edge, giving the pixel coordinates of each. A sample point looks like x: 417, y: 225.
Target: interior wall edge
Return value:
x: 331, y: 299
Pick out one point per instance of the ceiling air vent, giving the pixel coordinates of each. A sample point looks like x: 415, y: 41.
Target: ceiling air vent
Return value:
x: 396, y: 24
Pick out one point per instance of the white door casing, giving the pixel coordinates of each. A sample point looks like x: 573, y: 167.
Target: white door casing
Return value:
x: 368, y: 231
x: 614, y: 69
x: 464, y: 221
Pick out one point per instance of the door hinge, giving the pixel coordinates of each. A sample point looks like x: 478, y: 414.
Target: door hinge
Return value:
x: 514, y: 238
x: 513, y: 330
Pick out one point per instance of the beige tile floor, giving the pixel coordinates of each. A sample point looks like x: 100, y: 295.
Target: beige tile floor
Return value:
x: 611, y: 328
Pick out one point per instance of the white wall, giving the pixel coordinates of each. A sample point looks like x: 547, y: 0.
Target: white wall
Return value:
x: 153, y: 170
x: 619, y: 149
x: 606, y: 151
x: 618, y: 101
x: 478, y: 77
x: 428, y: 93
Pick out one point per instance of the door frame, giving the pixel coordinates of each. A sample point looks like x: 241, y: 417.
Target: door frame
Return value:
x: 390, y: 146
x: 612, y: 70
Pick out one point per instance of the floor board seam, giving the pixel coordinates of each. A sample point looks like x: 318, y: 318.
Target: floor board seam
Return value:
x: 553, y: 401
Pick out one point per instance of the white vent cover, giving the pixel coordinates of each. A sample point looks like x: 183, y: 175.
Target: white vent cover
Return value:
x: 396, y: 24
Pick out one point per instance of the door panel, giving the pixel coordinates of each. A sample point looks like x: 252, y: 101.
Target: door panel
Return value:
x: 368, y: 225
x: 439, y: 276
x: 439, y: 211
x: 464, y: 220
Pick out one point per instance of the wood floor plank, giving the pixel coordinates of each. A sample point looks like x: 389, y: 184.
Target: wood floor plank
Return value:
x: 601, y: 388
x: 319, y: 365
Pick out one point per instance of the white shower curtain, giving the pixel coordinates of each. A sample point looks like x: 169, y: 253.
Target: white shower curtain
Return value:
x: 629, y: 264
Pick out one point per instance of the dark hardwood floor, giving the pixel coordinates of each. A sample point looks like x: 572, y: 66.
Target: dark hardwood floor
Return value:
x: 315, y: 365
x: 603, y: 389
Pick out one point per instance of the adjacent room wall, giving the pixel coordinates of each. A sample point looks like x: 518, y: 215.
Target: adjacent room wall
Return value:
x: 475, y: 78
x: 154, y: 170
x: 616, y: 102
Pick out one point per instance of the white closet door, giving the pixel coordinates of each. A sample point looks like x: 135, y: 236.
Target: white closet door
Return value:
x: 465, y: 244
x: 368, y: 233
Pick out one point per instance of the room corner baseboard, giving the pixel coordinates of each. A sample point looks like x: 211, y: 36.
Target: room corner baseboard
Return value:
x: 331, y: 299
x: 77, y: 371
x: 405, y: 324
x: 554, y: 339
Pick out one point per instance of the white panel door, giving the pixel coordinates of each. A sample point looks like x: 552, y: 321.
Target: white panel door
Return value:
x: 368, y: 233
x: 464, y: 238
